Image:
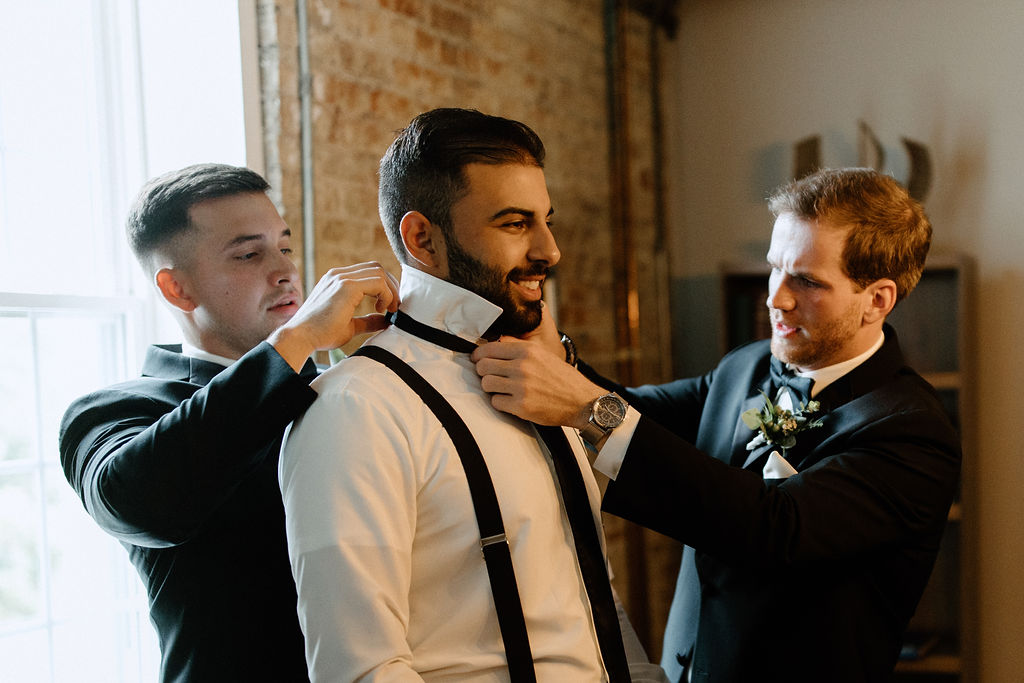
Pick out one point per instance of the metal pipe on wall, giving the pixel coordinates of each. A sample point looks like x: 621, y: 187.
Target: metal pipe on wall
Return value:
x: 306, y: 142
x: 627, y: 315
x: 661, y: 247
x: 629, y: 351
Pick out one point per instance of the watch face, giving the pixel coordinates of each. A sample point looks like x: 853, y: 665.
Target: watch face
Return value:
x: 609, y: 411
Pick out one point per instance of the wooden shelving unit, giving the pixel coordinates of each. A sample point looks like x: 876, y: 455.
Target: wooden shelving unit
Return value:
x: 934, y: 328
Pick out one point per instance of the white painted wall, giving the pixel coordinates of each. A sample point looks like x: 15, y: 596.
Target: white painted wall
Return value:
x: 747, y: 79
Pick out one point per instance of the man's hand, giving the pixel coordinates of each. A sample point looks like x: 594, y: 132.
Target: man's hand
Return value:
x: 528, y: 379
x: 327, y: 319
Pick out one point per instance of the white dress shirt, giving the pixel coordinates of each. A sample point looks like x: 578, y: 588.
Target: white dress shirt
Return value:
x: 196, y: 352
x: 382, y: 535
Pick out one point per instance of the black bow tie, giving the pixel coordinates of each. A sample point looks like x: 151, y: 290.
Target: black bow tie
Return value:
x: 407, y: 323
x: 800, y: 387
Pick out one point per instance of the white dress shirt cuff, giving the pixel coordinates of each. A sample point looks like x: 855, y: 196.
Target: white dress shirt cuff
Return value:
x: 613, y: 452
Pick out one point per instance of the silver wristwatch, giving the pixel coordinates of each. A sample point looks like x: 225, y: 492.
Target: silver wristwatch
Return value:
x: 606, y: 414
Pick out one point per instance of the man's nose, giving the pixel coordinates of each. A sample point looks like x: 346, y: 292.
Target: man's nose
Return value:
x: 284, y: 270
x: 544, y: 247
x: 779, y: 294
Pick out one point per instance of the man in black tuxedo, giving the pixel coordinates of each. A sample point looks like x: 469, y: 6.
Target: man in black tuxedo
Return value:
x: 180, y: 465
x: 805, y: 560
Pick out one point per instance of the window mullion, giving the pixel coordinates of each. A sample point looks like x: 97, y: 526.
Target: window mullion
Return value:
x: 39, y: 471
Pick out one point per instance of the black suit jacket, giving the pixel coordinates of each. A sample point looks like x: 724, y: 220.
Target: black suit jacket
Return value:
x: 811, y: 578
x: 180, y: 465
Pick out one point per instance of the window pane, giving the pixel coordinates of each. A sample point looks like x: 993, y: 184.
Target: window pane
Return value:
x: 22, y: 601
x: 78, y: 353
x: 24, y: 657
x: 17, y: 394
x: 95, y: 651
x: 83, y: 558
x: 50, y: 154
x: 180, y: 135
x: 95, y: 97
x: 102, y: 631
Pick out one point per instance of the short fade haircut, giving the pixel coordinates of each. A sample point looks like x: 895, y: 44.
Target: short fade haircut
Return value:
x: 161, y: 210
x: 888, y: 233
x: 424, y: 168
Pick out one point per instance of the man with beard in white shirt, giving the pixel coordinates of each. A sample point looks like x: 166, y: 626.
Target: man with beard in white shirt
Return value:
x: 385, y: 536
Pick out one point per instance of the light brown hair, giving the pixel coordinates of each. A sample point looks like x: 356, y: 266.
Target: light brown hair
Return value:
x: 888, y: 233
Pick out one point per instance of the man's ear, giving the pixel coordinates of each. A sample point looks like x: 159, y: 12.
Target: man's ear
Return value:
x: 882, y: 295
x: 423, y: 241
x: 170, y: 283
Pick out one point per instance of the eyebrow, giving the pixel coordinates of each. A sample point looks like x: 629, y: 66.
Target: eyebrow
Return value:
x: 256, y: 237
x: 804, y: 274
x: 513, y: 210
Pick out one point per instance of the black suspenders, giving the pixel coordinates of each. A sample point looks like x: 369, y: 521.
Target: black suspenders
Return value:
x: 488, y: 516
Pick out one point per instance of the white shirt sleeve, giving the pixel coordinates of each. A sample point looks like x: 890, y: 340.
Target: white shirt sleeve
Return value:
x: 349, y: 487
x: 613, y: 452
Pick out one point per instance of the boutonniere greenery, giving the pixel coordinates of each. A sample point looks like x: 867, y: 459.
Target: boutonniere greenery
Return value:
x: 777, y: 426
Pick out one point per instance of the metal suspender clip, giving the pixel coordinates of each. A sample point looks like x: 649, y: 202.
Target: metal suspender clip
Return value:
x: 491, y: 540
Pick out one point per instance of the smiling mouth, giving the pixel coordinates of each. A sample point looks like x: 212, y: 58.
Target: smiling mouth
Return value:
x: 529, y: 280
x: 529, y: 290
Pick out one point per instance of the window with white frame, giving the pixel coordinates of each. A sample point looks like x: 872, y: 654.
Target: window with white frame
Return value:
x: 95, y: 97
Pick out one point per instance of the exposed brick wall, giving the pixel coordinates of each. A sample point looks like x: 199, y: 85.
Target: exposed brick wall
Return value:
x: 377, y: 63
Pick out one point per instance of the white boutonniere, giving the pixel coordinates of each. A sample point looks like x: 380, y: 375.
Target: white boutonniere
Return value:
x: 777, y: 426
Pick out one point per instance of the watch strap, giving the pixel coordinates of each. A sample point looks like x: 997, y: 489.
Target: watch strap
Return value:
x: 570, y: 349
x: 594, y: 435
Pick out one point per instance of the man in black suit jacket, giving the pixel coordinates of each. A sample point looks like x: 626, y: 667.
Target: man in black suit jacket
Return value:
x: 805, y: 560
x: 180, y: 465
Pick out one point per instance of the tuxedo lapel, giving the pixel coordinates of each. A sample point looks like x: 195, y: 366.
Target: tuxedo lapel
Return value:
x: 757, y: 456
x: 800, y: 456
x: 742, y: 434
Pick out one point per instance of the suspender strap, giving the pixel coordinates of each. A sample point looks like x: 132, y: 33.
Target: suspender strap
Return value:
x: 588, y: 553
x: 488, y: 516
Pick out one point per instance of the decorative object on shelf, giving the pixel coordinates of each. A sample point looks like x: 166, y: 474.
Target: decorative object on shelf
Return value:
x: 920, y: 179
x: 806, y: 156
x: 871, y: 154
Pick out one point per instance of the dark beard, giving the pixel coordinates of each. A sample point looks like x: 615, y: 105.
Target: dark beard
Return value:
x: 516, y: 318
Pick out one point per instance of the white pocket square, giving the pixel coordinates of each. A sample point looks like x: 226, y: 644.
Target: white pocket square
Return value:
x: 777, y: 467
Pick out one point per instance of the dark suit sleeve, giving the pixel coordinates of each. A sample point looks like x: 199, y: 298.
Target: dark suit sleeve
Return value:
x: 676, y: 405
x: 886, y: 482
x: 152, y: 458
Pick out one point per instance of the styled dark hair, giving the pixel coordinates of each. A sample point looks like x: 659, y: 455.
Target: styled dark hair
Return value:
x: 161, y: 209
x: 423, y: 169
x: 888, y: 233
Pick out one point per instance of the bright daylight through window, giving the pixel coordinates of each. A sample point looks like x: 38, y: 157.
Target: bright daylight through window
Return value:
x: 95, y: 98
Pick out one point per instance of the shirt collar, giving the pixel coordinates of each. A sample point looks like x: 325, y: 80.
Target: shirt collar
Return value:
x: 194, y: 352
x: 824, y: 376
x: 445, y: 306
